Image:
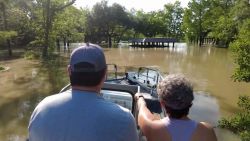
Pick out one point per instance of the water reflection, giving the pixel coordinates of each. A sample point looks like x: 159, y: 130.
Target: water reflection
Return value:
x: 23, y: 87
x: 225, y: 135
x: 180, y: 48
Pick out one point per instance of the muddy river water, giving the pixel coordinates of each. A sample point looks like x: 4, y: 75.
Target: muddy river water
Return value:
x: 209, y: 69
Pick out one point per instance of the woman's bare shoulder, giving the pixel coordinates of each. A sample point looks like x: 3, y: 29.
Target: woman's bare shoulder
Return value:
x: 205, y: 126
x: 159, y: 131
x: 206, y: 131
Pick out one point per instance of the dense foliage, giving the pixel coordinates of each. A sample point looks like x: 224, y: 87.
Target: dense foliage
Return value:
x: 219, y: 20
x: 42, y: 25
x: 31, y: 20
x: 239, y: 124
x: 241, y: 49
x: 106, y: 22
x: 5, y: 35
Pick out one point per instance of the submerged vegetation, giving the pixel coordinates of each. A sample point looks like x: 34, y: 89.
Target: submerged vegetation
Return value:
x: 239, y: 124
x: 241, y: 49
x: 1, y: 68
x: 30, y: 55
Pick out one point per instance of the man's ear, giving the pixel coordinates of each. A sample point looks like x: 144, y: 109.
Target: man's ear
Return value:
x: 105, y: 74
x: 69, y: 70
x: 106, y: 71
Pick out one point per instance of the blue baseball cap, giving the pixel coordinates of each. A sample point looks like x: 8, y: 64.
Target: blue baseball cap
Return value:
x: 87, y: 58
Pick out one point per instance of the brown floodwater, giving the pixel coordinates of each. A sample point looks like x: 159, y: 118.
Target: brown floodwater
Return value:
x: 209, y: 69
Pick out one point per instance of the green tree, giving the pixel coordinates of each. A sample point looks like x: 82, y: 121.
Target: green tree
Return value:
x: 50, y: 11
x: 44, y: 14
x: 195, y: 19
x: 3, y: 7
x: 141, y: 24
x: 15, y: 22
x: 173, y: 19
x: 19, y: 21
x: 149, y: 24
x: 188, y: 26
x: 160, y: 23
x: 106, y: 22
x: 241, y: 49
x: 70, y: 29
x: 7, y: 35
x: 155, y: 24
x: 222, y: 30
x: 239, y: 124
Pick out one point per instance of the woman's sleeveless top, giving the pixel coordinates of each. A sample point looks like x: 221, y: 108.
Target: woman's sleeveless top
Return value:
x: 180, y: 130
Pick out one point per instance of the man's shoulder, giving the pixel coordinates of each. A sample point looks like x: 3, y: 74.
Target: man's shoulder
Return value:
x: 119, y: 114
x: 52, y: 100
x: 116, y: 109
x: 122, y: 121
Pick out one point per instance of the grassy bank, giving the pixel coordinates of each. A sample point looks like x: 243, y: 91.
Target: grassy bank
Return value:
x: 1, y: 68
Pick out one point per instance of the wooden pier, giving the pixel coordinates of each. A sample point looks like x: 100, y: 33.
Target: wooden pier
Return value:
x: 152, y: 42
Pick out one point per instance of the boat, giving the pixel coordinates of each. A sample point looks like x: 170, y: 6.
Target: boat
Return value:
x: 121, y: 90
x: 147, y: 78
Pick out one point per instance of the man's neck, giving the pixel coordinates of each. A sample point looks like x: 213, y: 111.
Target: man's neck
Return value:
x: 83, y: 88
x: 182, y: 118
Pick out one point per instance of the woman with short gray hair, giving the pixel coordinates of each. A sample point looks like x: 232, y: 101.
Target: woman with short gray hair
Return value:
x: 175, y: 94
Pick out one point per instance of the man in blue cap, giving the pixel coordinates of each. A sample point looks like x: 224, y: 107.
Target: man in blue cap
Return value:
x: 81, y: 114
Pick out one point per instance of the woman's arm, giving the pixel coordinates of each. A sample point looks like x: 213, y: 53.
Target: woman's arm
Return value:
x: 150, y: 125
x: 145, y: 117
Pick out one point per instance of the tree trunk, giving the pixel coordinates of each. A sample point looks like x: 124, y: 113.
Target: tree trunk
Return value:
x: 200, y: 40
x: 64, y: 44
x: 200, y: 27
x: 48, y: 22
x: 68, y: 44
x: 6, y: 27
x: 58, y: 45
x: 109, y: 41
x: 9, y: 47
x: 47, y: 29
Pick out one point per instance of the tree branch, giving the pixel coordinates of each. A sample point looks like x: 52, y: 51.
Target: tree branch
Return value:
x: 64, y: 6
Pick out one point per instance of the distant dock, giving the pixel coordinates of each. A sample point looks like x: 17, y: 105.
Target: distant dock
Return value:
x: 152, y: 42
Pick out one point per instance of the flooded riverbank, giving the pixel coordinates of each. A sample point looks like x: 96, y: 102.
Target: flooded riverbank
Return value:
x: 209, y: 69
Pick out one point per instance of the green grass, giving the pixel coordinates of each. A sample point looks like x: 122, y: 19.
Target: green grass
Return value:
x: 1, y: 68
x: 30, y: 55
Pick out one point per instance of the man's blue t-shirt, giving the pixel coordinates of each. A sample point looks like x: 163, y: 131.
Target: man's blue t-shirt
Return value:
x: 81, y: 116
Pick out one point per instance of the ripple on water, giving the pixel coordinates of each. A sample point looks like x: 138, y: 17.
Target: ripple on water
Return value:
x: 16, y: 138
x: 23, y: 108
x: 205, y: 108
